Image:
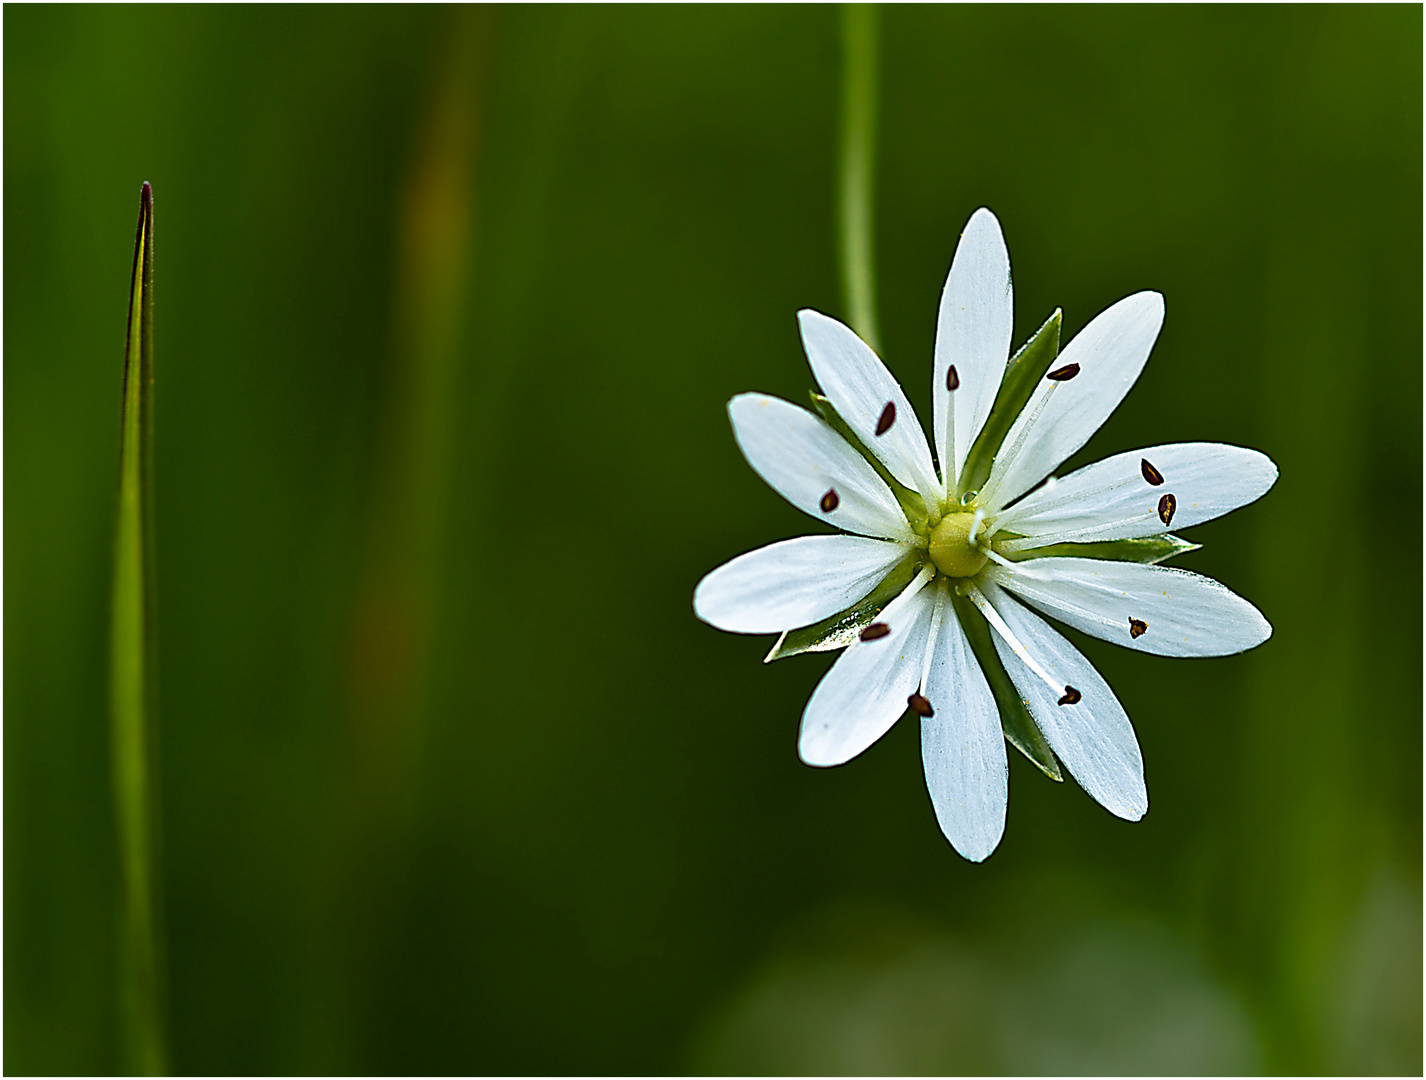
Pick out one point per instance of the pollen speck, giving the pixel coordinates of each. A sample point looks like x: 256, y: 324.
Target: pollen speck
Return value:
x: 1064, y: 374
x: 830, y: 501
x: 1167, y: 505
x: 888, y: 417
x: 1151, y: 474
x: 874, y: 631
x: 920, y: 706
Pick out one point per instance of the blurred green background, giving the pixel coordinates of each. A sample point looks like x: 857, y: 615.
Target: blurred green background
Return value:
x: 449, y: 303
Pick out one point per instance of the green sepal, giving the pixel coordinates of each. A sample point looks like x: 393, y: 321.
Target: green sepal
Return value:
x: 1019, y: 726
x: 1146, y: 549
x: 840, y: 630
x: 912, y: 505
x: 1023, y: 373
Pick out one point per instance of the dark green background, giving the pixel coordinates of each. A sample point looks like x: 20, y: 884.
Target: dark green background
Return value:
x: 452, y: 780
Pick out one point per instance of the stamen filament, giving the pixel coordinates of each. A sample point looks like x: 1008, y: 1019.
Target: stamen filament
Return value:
x: 993, y: 617
x: 1022, y: 568
x: 1045, y: 506
x: 995, y: 558
x: 951, y: 466
x: 893, y: 609
x: 975, y: 525
x: 1021, y: 431
x: 1025, y: 543
x: 931, y: 641
x: 932, y: 497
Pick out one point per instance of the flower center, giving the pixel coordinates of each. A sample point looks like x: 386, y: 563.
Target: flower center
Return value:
x: 952, y: 546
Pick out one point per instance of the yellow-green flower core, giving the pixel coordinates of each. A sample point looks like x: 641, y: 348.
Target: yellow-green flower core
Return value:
x: 951, y: 552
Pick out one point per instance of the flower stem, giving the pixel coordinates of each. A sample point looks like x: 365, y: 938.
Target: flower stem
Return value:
x: 856, y: 173
x: 131, y: 661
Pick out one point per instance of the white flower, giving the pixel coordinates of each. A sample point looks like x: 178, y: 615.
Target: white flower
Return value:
x: 995, y: 552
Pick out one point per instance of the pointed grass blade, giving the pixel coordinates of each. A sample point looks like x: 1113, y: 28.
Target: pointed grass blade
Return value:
x: 131, y: 662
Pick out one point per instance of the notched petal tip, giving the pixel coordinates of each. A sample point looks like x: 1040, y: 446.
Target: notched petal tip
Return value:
x: 1149, y: 296
x: 976, y: 845
x: 819, y: 330
x: 1136, y: 804
x: 973, y: 840
x: 1127, y: 805
x: 1261, y: 630
x: 975, y: 853
x: 812, y: 319
x: 700, y: 607
x: 983, y: 218
x: 1154, y: 302
x: 1265, y: 628
x: 1144, y: 304
x: 1147, y: 304
x: 811, y: 751
x: 748, y: 399
x: 1272, y: 471
x: 1132, y: 812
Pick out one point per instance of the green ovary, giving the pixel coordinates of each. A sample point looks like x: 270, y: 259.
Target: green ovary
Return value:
x: 951, y: 552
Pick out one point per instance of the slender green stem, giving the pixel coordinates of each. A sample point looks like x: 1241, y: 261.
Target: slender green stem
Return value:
x: 131, y: 657
x: 856, y: 166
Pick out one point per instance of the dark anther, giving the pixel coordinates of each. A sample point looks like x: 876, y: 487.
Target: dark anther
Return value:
x: 874, y: 631
x: 1151, y: 474
x: 1137, y: 627
x: 829, y: 501
x: 953, y: 381
x: 888, y: 417
x: 920, y: 706
x: 1071, y: 697
x: 1064, y: 374
x: 1167, y: 505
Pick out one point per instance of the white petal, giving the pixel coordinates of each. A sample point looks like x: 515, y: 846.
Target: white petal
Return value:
x: 1092, y: 737
x: 1182, y: 614
x: 962, y: 745
x: 860, y: 387
x: 1113, y: 500
x: 1061, y: 416
x: 802, y: 459
x: 865, y: 691
x: 973, y: 333
x: 793, y: 582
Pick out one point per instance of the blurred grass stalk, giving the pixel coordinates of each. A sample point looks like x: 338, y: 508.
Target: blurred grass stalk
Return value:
x: 856, y: 187
x: 391, y: 630
x: 399, y: 586
x: 131, y: 683
x: 411, y: 484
